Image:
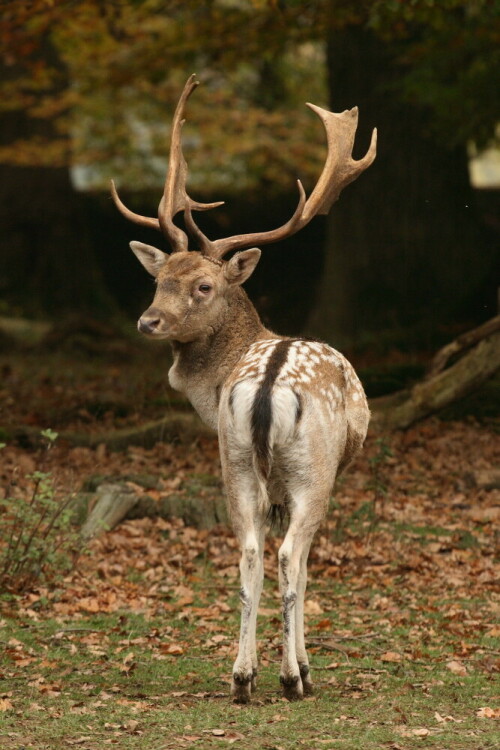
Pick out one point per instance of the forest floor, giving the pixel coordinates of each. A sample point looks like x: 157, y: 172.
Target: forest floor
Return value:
x: 133, y: 647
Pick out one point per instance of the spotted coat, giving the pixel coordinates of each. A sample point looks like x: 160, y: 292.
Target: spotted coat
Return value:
x: 274, y: 384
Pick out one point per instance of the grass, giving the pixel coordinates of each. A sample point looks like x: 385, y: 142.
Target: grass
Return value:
x: 109, y: 679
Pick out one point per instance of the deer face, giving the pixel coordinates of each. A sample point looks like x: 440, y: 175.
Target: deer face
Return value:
x: 191, y: 291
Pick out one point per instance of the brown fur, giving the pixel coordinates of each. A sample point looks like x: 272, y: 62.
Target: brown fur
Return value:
x: 290, y: 414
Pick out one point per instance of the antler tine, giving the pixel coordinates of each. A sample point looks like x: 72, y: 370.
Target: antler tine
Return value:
x: 174, y: 197
x: 144, y: 221
x: 340, y: 169
x: 194, y: 230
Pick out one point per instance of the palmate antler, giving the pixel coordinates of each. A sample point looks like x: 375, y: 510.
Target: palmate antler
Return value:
x: 340, y: 169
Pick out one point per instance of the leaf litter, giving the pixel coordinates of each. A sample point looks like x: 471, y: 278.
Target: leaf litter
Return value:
x: 413, y: 554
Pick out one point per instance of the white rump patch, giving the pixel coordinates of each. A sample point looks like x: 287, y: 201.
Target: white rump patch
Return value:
x: 284, y: 415
x: 242, y: 402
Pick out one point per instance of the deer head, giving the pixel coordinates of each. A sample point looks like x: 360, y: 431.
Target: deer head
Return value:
x: 193, y: 286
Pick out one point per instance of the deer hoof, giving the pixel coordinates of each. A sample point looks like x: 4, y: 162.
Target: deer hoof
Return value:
x: 241, y: 687
x: 307, y: 684
x: 253, y: 682
x: 291, y: 686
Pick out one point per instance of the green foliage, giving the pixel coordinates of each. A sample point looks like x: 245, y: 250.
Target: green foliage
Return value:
x: 49, y: 435
x: 125, y: 65
x: 108, y: 75
x: 37, y: 538
x: 449, y: 58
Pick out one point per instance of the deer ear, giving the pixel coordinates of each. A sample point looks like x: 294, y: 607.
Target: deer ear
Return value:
x: 151, y: 258
x: 241, y: 266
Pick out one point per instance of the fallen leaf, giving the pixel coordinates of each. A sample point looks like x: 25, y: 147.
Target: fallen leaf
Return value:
x: 174, y: 649
x: 485, y: 515
x: 391, y: 656
x: 312, y: 608
x: 232, y: 737
x: 89, y: 604
x: 444, y: 719
x: 323, y: 625
x: 457, y: 668
x: 488, y: 713
x: 219, y: 638
x: 79, y: 740
x: 50, y: 689
x: 267, y: 612
x: 5, y: 704
x: 47, y: 664
x: 128, y: 664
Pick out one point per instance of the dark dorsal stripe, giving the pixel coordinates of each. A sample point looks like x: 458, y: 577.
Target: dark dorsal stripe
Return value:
x: 298, y: 409
x: 262, y: 406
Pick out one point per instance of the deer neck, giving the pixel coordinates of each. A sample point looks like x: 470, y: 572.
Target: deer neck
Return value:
x: 202, y: 366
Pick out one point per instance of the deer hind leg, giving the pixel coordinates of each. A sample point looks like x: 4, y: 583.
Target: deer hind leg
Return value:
x: 293, y: 553
x: 300, y: 646
x: 252, y: 572
x: 249, y: 525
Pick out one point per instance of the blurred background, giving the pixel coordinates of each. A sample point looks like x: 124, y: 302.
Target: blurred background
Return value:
x: 408, y: 257
x: 404, y: 574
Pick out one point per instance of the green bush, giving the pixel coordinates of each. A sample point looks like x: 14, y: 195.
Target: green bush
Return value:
x: 38, y: 542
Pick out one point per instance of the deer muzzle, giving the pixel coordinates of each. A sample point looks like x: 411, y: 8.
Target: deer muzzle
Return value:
x: 155, y: 322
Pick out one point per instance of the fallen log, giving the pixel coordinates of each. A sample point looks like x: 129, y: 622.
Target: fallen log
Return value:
x: 471, y: 370
x: 111, y: 501
x: 183, y: 427
x: 461, y: 343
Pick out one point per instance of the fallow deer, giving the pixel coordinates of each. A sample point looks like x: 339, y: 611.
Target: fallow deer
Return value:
x: 290, y: 412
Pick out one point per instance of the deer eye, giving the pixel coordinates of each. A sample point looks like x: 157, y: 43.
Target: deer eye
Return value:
x: 204, y: 288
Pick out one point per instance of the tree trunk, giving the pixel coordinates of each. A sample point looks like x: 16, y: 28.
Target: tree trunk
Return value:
x: 404, y: 245
x: 48, y: 263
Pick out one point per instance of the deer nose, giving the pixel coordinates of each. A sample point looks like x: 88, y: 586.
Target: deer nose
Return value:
x: 148, y: 323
